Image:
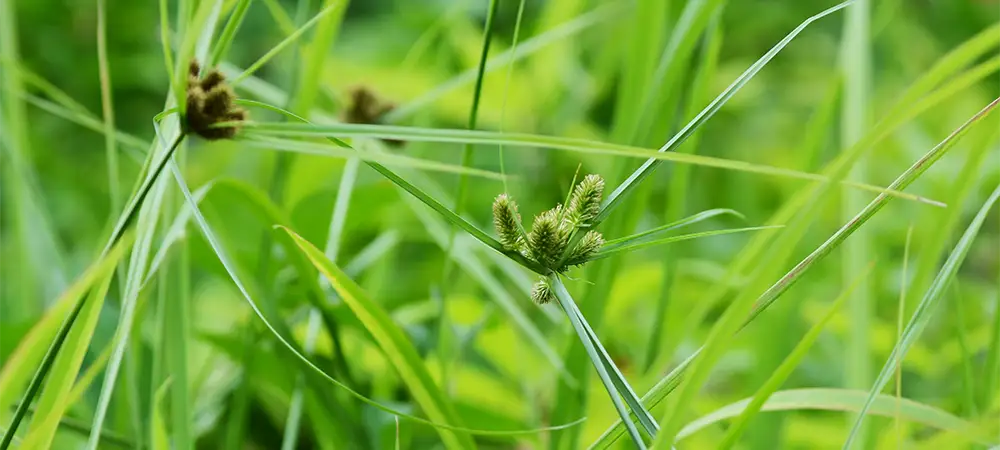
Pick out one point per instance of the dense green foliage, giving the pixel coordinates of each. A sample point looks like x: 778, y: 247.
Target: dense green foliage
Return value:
x: 356, y: 274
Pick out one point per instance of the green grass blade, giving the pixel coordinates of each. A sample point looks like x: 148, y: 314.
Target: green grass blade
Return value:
x: 228, y: 33
x: 645, y: 419
x: 643, y: 171
x: 474, y: 108
x: 564, y: 299
x: 54, y: 401
x: 393, y: 343
x: 523, y: 50
x: 690, y: 220
x: 299, y: 357
x: 107, y: 108
x: 781, y: 374
x: 625, y: 247
x: 847, y: 400
x: 672, y: 380
x: 282, y: 45
x: 855, y: 62
x: 544, y: 142
x: 134, y: 146
x: 17, y: 369
x: 734, y: 314
x: 925, y: 310
x: 159, y: 439
x: 328, y: 150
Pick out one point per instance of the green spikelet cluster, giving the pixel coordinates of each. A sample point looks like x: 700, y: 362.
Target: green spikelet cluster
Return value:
x: 591, y: 242
x: 541, y: 292
x: 585, y: 202
x: 548, y: 237
x: 507, y: 222
x: 552, y: 231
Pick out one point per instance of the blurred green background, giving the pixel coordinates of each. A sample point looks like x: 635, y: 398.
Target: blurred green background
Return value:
x: 792, y: 115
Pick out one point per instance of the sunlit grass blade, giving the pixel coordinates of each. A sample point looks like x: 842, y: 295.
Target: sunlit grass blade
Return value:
x: 925, y: 310
x: 18, y: 367
x: 625, y: 247
x: 299, y: 357
x: 690, y: 220
x: 645, y: 419
x: 328, y: 150
x: 781, y: 374
x: 523, y: 50
x: 283, y: 44
x: 643, y: 171
x: 564, y: 299
x: 735, y: 314
x: 393, y: 343
x: 413, y: 190
x: 107, y: 108
x: 544, y: 142
x: 159, y: 440
x: 225, y: 40
x: 53, y: 402
x: 847, y: 400
x: 667, y: 384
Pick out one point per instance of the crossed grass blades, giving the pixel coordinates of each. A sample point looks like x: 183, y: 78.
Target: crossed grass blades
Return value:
x: 552, y: 231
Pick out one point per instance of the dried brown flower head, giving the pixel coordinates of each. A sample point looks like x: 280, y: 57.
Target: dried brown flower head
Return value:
x: 210, y: 102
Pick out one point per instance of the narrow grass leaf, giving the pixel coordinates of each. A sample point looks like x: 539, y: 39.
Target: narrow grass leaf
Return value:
x: 544, y: 142
x: 630, y: 247
x: 282, y: 45
x: 690, y: 220
x: 329, y: 150
x: 228, y: 33
x: 781, y: 374
x: 159, y: 440
x: 847, y: 400
x: 19, y: 366
x: 53, y: 402
x: 647, y: 168
x: 299, y: 357
x: 564, y: 299
x: 925, y: 310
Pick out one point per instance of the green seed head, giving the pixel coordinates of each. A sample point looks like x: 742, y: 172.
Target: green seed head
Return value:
x: 507, y: 222
x: 585, y: 202
x: 541, y: 292
x: 548, y: 237
x: 590, y: 244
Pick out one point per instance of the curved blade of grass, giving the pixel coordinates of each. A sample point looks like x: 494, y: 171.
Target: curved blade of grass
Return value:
x: 546, y: 142
x: 565, y: 300
x: 667, y: 384
x: 645, y: 419
x: 283, y: 44
x: 848, y: 400
x: 643, y: 171
x: 228, y: 33
x: 474, y: 109
x: 388, y: 159
x: 610, y: 250
x: 523, y: 50
x: 299, y: 357
x: 53, y: 402
x: 781, y: 374
x: 690, y: 220
x: 110, y: 146
x: 135, y: 147
x: 734, y: 315
x: 448, y: 214
x: 27, y: 355
x: 158, y: 438
x: 925, y: 309
x: 393, y: 342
